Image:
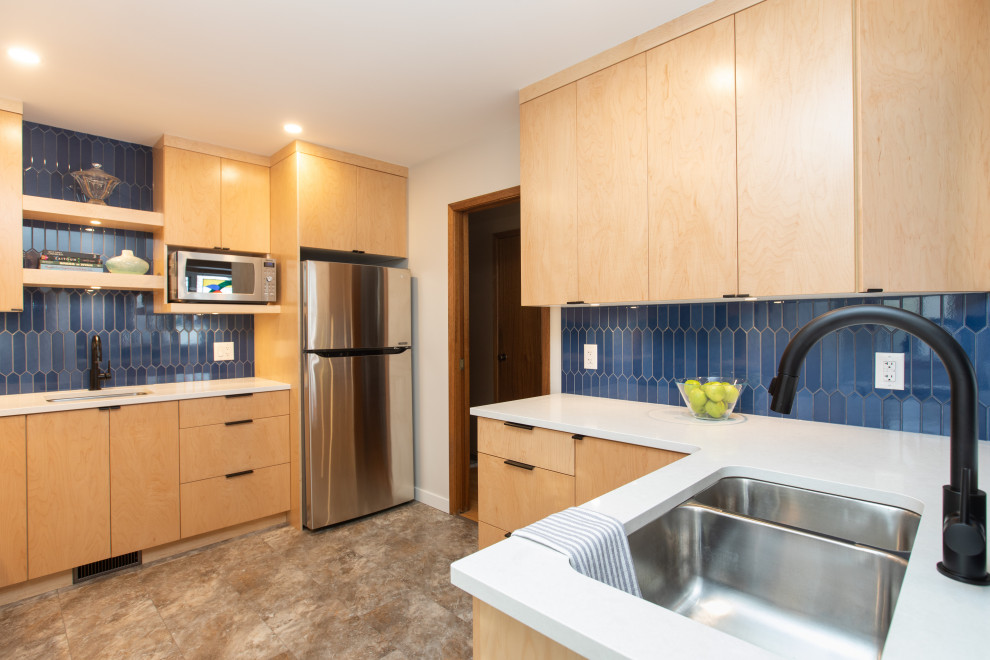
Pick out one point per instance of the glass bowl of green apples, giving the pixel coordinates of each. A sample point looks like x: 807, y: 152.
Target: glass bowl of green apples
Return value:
x: 711, y: 398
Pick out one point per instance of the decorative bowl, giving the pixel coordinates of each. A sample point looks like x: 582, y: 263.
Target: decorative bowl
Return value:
x: 127, y: 264
x: 95, y: 183
x: 711, y: 398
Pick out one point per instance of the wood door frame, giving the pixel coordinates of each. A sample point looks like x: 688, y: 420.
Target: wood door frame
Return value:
x: 458, y: 319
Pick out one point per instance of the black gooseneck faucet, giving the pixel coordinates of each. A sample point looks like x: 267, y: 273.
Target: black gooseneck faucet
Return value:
x: 964, y: 506
x: 96, y: 377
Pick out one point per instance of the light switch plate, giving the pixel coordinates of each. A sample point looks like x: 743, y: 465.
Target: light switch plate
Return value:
x: 223, y: 350
x: 591, y: 356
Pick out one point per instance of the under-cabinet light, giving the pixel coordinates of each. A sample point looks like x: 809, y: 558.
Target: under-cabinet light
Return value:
x: 292, y: 128
x: 95, y: 222
x: 23, y: 55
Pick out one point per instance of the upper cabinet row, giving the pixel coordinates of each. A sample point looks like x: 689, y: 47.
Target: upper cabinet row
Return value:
x: 725, y: 161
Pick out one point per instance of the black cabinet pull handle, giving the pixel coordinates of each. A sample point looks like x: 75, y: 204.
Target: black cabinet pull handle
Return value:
x: 577, y: 436
x: 238, y: 474
x: 508, y: 534
x: 517, y: 425
x: 240, y: 421
x: 110, y: 408
x: 517, y: 464
x: 358, y: 251
x: 574, y: 302
x: 238, y: 396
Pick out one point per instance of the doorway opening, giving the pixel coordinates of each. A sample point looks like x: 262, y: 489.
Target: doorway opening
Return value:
x: 499, y: 350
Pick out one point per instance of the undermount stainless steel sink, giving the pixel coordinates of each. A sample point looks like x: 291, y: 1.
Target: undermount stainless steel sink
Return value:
x: 774, y: 569
x: 61, y: 397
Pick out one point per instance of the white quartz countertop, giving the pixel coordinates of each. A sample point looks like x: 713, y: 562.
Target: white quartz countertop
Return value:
x: 935, y: 617
x: 27, y: 404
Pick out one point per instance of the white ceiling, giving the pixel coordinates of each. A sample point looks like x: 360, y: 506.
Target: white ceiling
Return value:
x: 398, y: 80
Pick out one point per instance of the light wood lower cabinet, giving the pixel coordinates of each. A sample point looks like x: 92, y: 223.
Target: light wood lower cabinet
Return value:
x: 601, y: 466
x: 13, y: 501
x: 511, y: 497
x: 144, y: 476
x: 221, y: 449
x: 68, y: 490
x: 232, y: 408
x: 500, y: 637
x: 220, y: 502
x: 490, y: 535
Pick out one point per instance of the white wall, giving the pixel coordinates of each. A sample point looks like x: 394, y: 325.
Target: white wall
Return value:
x: 490, y: 164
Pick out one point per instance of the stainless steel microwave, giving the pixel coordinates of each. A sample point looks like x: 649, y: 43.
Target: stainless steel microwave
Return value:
x: 220, y: 278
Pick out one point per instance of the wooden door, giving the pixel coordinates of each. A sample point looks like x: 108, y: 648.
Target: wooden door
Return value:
x: 68, y: 490
x: 601, y: 466
x: 924, y: 141
x: 144, y: 476
x: 691, y: 100
x: 245, y: 206
x: 794, y: 108
x: 381, y: 213
x: 548, y: 200
x: 13, y: 501
x: 327, y: 203
x: 11, y: 183
x: 613, y: 221
x: 190, y: 197
x: 518, y: 350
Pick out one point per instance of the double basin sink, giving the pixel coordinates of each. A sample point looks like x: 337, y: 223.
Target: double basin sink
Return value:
x: 801, y: 573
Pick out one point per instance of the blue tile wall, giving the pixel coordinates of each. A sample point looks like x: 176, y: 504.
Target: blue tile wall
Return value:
x: 46, y: 347
x: 644, y: 348
x: 51, y: 153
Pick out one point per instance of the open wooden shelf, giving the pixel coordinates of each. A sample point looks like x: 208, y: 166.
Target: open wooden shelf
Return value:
x: 223, y: 308
x: 73, y: 279
x: 79, y: 213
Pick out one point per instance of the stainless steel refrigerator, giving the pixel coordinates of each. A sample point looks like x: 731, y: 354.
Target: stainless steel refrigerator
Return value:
x: 357, y: 390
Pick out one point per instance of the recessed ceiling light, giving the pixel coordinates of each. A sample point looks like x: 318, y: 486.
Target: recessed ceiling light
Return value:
x: 23, y: 55
x: 292, y: 128
x: 95, y: 222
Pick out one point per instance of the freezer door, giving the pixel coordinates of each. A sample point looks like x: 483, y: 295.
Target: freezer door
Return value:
x: 358, y: 435
x: 354, y: 306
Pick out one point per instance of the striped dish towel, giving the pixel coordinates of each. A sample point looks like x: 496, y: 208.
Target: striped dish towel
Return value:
x: 595, y: 544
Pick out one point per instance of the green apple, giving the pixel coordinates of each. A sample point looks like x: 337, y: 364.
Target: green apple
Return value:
x: 697, y: 400
x: 715, y: 409
x: 690, y: 385
x: 714, y: 391
x: 731, y: 394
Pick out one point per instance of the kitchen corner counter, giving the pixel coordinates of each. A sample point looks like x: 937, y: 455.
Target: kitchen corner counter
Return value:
x: 28, y: 404
x: 934, y: 616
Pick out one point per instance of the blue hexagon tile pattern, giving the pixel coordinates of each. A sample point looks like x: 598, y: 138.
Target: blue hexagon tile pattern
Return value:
x: 643, y: 349
x: 46, y: 347
x: 51, y: 153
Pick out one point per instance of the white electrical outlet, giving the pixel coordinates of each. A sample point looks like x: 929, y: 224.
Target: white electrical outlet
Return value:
x: 889, y: 371
x: 223, y: 350
x: 591, y: 356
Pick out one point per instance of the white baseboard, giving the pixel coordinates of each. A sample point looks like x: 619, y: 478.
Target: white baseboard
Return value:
x: 432, y: 499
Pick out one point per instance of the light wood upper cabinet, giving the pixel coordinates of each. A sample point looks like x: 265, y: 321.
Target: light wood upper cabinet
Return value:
x: 548, y: 201
x: 13, y: 501
x: 68, y: 490
x: 144, y: 476
x: 189, y: 196
x: 245, y: 206
x: 381, y: 213
x: 327, y: 203
x: 692, y: 164
x: 11, y: 185
x: 613, y: 221
x: 924, y: 141
x: 794, y: 104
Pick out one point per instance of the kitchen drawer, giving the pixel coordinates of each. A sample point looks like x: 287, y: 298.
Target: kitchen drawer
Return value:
x: 551, y: 450
x: 219, y: 449
x: 510, y: 497
x: 232, y: 408
x: 489, y: 535
x: 224, y: 501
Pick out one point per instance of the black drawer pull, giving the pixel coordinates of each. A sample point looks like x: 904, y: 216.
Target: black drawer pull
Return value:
x: 508, y: 534
x: 110, y: 408
x: 238, y: 474
x: 517, y: 464
x: 517, y: 425
x: 240, y: 421
x: 577, y: 436
x: 238, y: 396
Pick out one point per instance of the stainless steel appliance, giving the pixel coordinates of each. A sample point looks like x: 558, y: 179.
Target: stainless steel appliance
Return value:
x: 357, y: 390
x: 221, y: 278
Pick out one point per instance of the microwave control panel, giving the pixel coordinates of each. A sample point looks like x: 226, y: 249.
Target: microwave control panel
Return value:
x: 268, y: 281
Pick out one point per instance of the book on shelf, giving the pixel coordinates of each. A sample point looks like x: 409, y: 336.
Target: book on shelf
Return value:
x: 71, y: 258
x: 90, y: 268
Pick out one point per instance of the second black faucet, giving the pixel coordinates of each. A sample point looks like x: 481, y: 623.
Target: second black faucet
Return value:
x: 96, y: 377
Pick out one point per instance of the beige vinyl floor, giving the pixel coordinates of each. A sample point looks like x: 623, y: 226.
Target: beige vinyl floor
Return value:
x: 378, y: 587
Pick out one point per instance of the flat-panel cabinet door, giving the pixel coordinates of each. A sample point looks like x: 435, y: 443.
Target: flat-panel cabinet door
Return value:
x: 68, y: 490
x: 601, y: 466
x: 245, y: 207
x: 381, y: 213
x: 691, y: 99
x: 11, y: 201
x: 794, y: 105
x: 144, y: 476
x: 189, y: 195
x: 548, y: 200
x: 13, y: 501
x: 327, y: 203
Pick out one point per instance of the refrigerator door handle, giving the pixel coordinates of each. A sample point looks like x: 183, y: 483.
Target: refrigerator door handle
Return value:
x: 356, y: 352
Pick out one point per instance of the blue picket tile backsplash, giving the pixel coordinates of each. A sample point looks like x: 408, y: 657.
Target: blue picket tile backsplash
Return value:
x: 46, y: 347
x: 643, y: 349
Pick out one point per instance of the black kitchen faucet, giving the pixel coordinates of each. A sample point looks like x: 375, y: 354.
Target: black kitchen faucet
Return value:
x: 96, y: 377
x: 964, y: 506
